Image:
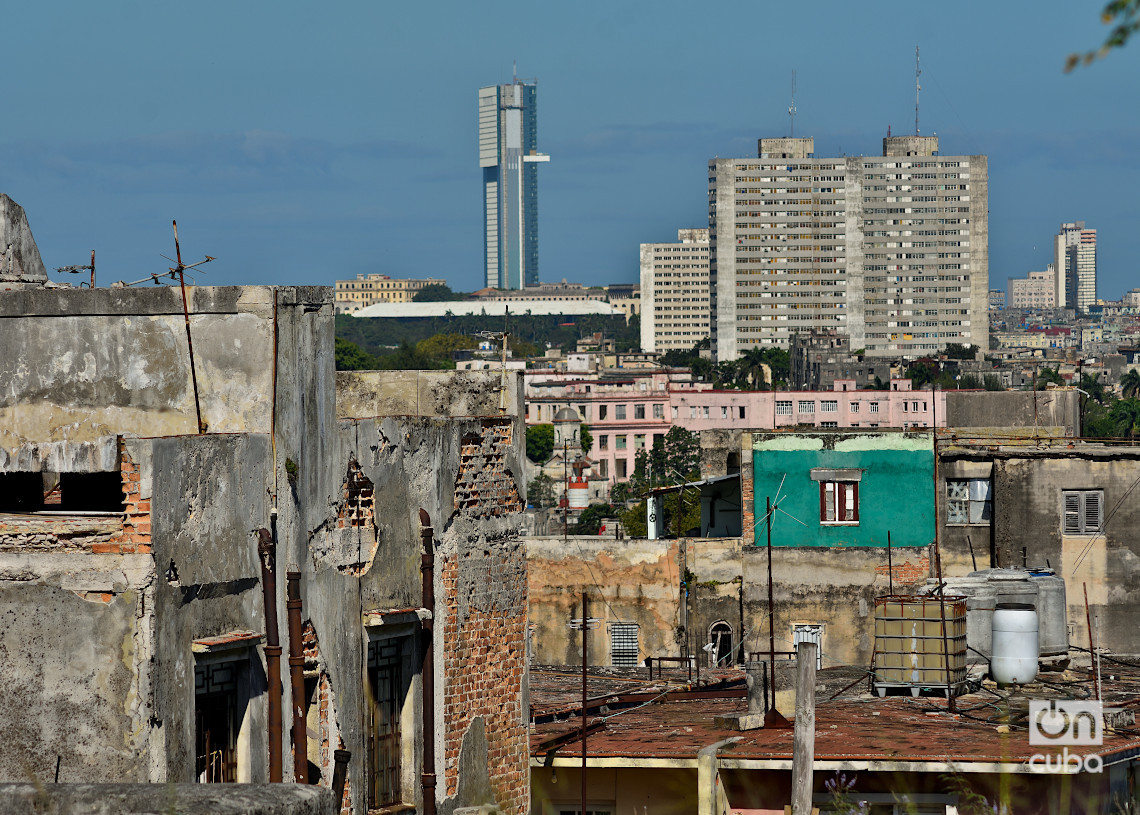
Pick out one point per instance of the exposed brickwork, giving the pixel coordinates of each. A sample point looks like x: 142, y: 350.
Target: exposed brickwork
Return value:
x: 485, y: 625
x: 485, y: 487
x: 747, y: 498
x: 358, y: 507
x: 907, y: 574
x: 135, y: 534
x: 484, y: 667
x: 327, y: 728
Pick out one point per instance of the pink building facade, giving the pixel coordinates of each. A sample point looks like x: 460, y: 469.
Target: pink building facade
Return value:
x: 627, y: 414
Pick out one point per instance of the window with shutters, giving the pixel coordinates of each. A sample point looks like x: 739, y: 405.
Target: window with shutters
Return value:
x: 839, y: 502
x: 969, y: 501
x: 1083, y: 512
x: 623, y: 645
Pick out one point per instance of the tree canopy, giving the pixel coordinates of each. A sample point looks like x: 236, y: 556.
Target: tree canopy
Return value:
x: 539, y: 442
x: 436, y: 293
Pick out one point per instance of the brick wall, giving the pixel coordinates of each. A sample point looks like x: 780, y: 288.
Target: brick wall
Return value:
x: 327, y: 728
x: 135, y: 535
x: 906, y: 574
x: 484, y: 634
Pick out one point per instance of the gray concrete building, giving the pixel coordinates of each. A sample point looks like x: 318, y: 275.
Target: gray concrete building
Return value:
x: 154, y: 510
x: 891, y: 250
x: 1037, y: 290
x: 1074, y: 258
x: 675, y: 292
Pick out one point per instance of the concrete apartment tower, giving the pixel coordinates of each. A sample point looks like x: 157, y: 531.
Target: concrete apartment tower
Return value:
x: 1074, y: 258
x: 508, y: 154
x: 675, y: 292
x: 891, y: 250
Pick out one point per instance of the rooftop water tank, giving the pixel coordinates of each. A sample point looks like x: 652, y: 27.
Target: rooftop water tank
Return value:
x: 1014, y: 659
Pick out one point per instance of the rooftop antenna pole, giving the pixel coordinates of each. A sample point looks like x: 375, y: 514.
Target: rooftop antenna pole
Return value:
x: 792, y: 108
x: 917, y: 88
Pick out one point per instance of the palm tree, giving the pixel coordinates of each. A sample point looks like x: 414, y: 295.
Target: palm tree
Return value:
x: 1130, y: 384
x: 1125, y: 415
x: 752, y: 364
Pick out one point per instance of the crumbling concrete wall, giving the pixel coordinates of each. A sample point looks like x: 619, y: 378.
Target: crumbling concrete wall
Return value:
x: 20, y: 262
x: 208, y: 493
x: 82, y: 365
x: 174, y: 799
x: 1020, y: 409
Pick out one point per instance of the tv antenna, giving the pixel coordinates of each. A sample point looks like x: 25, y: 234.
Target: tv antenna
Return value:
x: 792, y: 107
x: 78, y: 269
x: 917, y: 88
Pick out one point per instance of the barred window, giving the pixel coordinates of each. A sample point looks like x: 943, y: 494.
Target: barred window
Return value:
x: 623, y: 645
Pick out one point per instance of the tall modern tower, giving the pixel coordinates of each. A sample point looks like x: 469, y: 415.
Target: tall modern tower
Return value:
x: 508, y: 154
x: 1074, y: 256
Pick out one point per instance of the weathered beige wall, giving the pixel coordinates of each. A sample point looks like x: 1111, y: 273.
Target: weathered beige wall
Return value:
x: 428, y: 393
x: 627, y: 580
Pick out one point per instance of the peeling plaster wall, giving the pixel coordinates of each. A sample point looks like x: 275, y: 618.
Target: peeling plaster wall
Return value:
x: 74, y: 665
x: 82, y: 365
x: 209, y: 494
x: 632, y: 580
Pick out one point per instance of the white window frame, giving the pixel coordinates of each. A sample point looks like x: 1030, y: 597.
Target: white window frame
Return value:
x: 783, y: 407
x: 806, y: 407
x: 829, y: 406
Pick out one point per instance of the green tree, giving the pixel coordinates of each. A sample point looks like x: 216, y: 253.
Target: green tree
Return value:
x: 1124, y: 17
x: 969, y: 382
x: 539, y: 442
x: 751, y: 369
x: 921, y: 373
x: 1125, y: 416
x: 590, y: 521
x: 441, y: 346
x: 1093, y: 387
x: 1130, y: 384
x: 407, y: 358
x: 955, y: 350
x: 586, y: 437
x: 540, y: 491
x: 636, y: 525
x: 992, y: 382
x: 1096, y: 423
x: 1049, y: 376
x: 780, y: 362
x: 351, y: 357
x: 621, y: 492
x: 436, y: 293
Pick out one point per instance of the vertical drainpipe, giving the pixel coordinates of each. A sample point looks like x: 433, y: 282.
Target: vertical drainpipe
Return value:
x: 267, y: 551
x: 297, y: 679
x: 427, y: 673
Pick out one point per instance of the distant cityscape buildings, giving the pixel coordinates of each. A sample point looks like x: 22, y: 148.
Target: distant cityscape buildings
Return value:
x: 1074, y: 251
x: 675, y: 292
x: 890, y: 250
x: 508, y: 155
x: 1038, y: 290
x: 368, y: 289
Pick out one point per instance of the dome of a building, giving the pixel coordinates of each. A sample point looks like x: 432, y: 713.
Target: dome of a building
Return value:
x: 567, y: 414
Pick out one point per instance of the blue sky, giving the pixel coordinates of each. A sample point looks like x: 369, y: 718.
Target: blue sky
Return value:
x: 302, y: 142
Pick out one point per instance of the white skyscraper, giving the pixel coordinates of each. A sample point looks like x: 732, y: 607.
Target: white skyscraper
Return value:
x: 891, y: 250
x: 1074, y: 258
x: 508, y: 153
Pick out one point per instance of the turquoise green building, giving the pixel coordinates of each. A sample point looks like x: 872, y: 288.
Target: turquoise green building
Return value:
x: 844, y: 487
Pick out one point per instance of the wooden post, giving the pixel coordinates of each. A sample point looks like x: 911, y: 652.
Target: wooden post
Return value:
x: 803, y: 749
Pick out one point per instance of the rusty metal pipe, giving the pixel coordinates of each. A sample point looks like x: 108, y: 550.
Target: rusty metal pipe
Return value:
x: 267, y: 554
x: 297, y: 679
x: 340, y: 775
x: 427, y: 674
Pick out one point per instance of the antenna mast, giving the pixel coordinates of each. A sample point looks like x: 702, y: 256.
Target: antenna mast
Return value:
x: 792, y: 108
x: 917, y: 88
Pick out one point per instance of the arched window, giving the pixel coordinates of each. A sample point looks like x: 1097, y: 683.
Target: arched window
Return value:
x: 732, y: 466
x: 720, y: 638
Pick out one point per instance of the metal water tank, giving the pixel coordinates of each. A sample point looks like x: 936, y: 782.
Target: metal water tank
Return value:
x: 1015, y: 644
x: 1052, y: 614
x: 579, y: 493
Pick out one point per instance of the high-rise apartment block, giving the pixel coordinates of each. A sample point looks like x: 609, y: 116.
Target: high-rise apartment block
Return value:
x: 675, y: 292
x: 508, y: 154
x: 1074, y: 257
x: 1038, y: 290
x: 891, y: 250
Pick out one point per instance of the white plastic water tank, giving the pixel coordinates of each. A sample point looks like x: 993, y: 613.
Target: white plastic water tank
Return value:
x: 579, y: 493
x: 1015, y: 644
